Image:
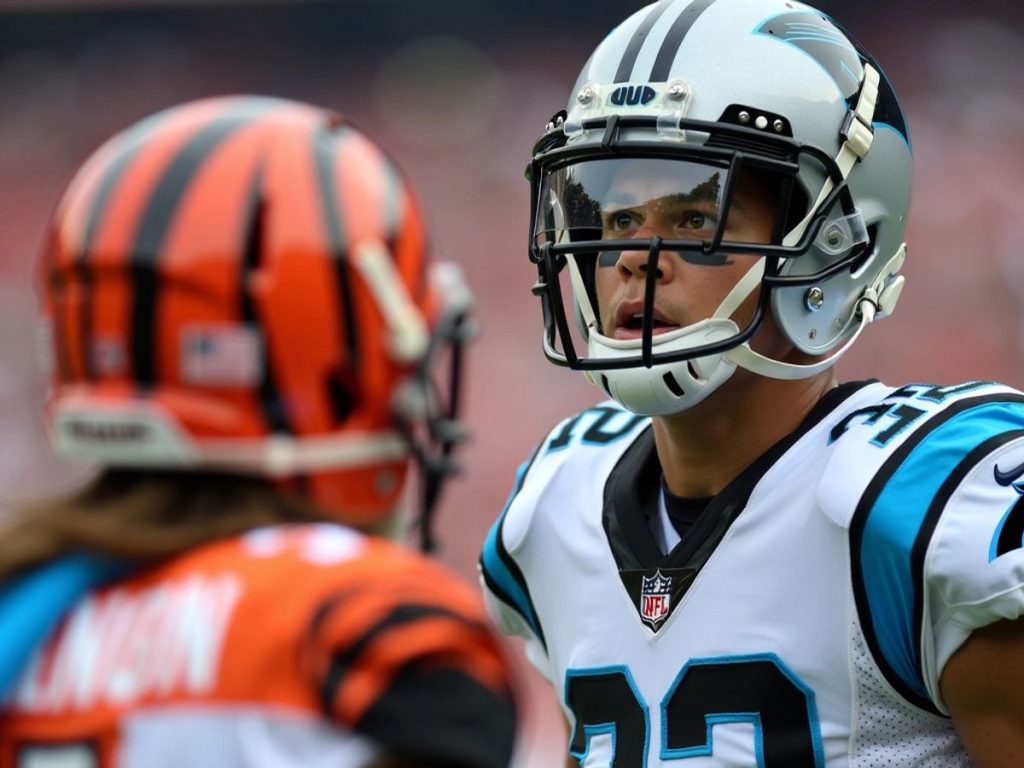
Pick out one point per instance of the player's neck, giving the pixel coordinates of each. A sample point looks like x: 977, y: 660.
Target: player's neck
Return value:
x: 702, y: 450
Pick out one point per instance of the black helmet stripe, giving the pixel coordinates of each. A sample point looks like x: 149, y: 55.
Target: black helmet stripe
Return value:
x: 625, y: 70
x: 131, y: 141
x: 324, y: 157
x: 253, y: 223
x: 674, y: 39
x: 156, y: 221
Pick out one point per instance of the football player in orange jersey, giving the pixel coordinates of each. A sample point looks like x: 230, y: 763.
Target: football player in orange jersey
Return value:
x: 245, y: 332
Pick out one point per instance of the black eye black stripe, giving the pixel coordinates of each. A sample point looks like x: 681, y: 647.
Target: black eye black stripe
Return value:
x: 674, y: 39
x: 155, y: 223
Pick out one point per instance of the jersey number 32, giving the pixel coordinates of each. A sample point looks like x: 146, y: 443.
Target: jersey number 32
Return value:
x: 755, y: 689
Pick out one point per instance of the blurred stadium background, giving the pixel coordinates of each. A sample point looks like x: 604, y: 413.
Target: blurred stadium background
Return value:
x: 458, y: 90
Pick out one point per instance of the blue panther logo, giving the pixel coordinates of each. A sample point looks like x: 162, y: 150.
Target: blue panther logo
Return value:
x: 819, y: 38
x: 839, y: 54
x: 1009, y: 533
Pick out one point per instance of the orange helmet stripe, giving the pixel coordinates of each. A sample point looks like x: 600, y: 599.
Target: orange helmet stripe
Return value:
x: 156, y: 220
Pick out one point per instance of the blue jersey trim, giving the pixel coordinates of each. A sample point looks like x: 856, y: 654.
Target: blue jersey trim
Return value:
x: 499, y: 570
x: 898, y: 526
x: 32, y: 605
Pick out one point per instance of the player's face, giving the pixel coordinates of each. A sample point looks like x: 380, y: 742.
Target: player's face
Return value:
x: 642, y: 204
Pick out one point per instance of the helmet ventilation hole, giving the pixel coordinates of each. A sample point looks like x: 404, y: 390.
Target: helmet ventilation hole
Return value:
x: 673, y: 385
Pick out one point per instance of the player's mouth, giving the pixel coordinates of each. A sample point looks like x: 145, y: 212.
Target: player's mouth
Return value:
x: 629, y: 321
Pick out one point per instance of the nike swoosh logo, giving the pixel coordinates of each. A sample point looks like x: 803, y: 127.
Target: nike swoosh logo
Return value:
x: 1007, y: 478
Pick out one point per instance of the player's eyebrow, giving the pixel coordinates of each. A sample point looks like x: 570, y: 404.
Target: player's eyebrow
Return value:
x: 674, y: 198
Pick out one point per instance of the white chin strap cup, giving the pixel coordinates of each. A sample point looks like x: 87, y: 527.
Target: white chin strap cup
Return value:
x: 666, y: 387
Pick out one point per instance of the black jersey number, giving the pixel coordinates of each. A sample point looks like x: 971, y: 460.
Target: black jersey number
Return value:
x: 603, y: 425
x: 757, y: 689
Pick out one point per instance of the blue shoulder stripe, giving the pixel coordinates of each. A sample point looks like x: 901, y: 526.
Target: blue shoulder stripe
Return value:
x: 500, y: 572
x: 33, y: 604
x: 895, y: 519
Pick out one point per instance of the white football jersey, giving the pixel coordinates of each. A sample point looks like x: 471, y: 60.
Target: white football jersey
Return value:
x: 805, y: 618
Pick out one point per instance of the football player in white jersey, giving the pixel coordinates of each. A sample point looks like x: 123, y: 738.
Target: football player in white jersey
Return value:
x: 736, y: 561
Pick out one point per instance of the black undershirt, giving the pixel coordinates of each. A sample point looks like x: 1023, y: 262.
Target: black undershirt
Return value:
x: 683, y: 511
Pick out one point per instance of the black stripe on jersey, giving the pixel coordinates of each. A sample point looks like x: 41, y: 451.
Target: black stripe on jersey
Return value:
x: 674, y: 39
x: 625, y: 70
x: 509, y: 562
x: 342, y: 661
x: 156, y: 220
x: 441, y: 716
x: 923, y: 539
x: 325, y: 143
x: 253, y: 231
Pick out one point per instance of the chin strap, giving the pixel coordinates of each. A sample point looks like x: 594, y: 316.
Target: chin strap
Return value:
x: 579, y: 289
x: 880, y: 298
x: 857, y: 134
x: 877, y: 301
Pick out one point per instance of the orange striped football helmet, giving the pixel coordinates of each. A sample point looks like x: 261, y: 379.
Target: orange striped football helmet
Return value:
x: 242, y: 284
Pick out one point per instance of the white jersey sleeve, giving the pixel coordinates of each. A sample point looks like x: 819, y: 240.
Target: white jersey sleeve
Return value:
x: 506, y: 593
x: 974, y: 565
x: 562, y: 461
x: 935, y: 527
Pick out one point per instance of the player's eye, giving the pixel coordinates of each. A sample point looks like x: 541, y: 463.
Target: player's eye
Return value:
x: 619, y: 222
x: 697, y: 221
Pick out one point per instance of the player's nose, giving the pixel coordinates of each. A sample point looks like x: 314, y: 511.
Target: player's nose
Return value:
x: 633, y: 264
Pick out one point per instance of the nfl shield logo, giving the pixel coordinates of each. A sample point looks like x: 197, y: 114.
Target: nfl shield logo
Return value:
x: 655, y: 599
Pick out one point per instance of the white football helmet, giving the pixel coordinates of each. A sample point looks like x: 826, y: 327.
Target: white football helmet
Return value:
x: 697, y: 92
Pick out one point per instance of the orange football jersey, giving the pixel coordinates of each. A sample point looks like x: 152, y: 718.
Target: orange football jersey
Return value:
x: 293, y: 645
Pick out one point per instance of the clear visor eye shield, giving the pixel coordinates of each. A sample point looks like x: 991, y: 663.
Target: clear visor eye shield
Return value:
x: 711, y: 206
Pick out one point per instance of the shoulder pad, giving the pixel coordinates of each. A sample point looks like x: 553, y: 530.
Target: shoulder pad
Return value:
x: 891, y: 487
x: 585, y: 444
x: 865, y: 438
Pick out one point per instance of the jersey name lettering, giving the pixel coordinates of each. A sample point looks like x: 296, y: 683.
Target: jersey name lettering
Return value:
x: 120, y: 647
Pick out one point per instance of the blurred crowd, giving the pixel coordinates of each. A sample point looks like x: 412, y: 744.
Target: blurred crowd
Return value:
x: 458, y: 90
